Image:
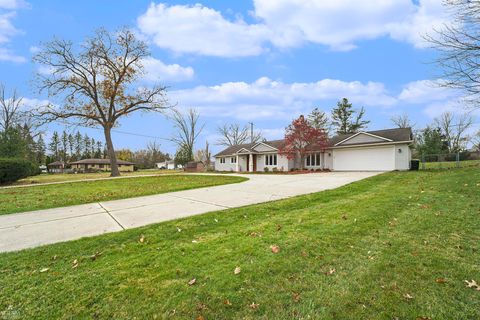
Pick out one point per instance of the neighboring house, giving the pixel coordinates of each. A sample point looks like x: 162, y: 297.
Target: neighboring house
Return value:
x: 195, y: 166
x: 382, y: 150
x: 86, y: 165
x: 56, y: 167
x: 168, y: 165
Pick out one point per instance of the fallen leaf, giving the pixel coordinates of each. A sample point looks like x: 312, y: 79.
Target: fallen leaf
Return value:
x: 472, y: 284
x: 237, y: 270
x: 407, y: 296
x: 194, y: 241
x: 423, y: 318
x: 227, y: 302
x: 331, y: 271
x: 95, y: 255
x: 54, y: 257
x: 192, y: 282
x: 275, y: 249
x: 440, y: 280
x: 344, y: 216
x: 296, y: 296
x: 74, y: 264
x: 201, y: 306
x: 142, y: 239
x: 216, y: 220
x: 254, y: 305
x: 44, y: 270
x: 179, y: 230
x: 279, y: 227
x: 200, y: 318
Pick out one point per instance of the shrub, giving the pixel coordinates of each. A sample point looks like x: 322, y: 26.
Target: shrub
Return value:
x: 266, y: 169
x: 274, y: 169
x: 12, y: 169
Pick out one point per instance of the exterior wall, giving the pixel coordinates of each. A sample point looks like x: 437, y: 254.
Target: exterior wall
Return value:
x: 378, y: 158
x: 242, y: 163
x: 328, y: 157
x: 263, y: 148
x: 362, y: 138
x: 227, y: 166
x: 283, y: 164
x: 403, y: 155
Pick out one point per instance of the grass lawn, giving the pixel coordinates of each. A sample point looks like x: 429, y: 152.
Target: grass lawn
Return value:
x: 59, y: 195
x: 61, y: 177
x: 398, y: 245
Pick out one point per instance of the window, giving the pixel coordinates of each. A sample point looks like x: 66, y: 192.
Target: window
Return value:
x: 271, y: 160
x: 313, y: 160
x: 222, y: 160
x: 233, y: 160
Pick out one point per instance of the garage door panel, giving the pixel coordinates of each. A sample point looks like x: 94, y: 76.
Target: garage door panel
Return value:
x: 364, y: 159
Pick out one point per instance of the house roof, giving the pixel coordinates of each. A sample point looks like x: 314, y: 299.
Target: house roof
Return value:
x: 55, y: 163
x: 100, y: 161
x: 392, y: 135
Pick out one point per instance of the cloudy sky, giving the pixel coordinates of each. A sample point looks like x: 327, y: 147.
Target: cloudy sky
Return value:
x: 259, y: 61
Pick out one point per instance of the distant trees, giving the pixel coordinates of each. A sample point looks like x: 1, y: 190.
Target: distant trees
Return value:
x: 144, y: 158
x: 454, y: 130
x: 318, y: 119
x: 234, y: 134
x: 402, y: 121
x: 345, y: 119
x: 94, y: 83
x: 72, y: 147
x: 299, y: 137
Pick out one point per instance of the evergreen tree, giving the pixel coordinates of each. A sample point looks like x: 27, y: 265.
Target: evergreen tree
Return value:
x: 64, y: 147
x: 12, y: 144
x: 40, y: 150
x: 318, y: 119
x: 78, y: 145
x: 98, y: 152
x: 54, y: 146
x: 346, y: 119
x: 183, y: 155
x: 93, y: 148
x: 86, y: 147
x: 71, y: 147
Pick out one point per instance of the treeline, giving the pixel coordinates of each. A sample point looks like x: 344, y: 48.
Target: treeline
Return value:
x: 68, y: 147
x: 144, y: 158
x: 20, y: 141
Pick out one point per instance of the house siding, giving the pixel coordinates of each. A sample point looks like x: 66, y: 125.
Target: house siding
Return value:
x: 362, y: 138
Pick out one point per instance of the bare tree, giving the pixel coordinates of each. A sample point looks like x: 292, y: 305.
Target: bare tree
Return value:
x: 454, y: 130
x: 188, y: 129
x: 476, y: 141
x: 233, y: 134
x: 458, y: 44
x: 10, y: 109
x: 402, y: 121
x: 95, y: 84
x: 204, y: 155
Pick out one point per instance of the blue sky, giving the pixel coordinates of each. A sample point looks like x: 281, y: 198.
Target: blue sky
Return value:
x: 239, y: 61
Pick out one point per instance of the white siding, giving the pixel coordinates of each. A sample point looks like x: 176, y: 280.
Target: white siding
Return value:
x: 283, y: 164
x: 379, y: 158
x: 362, y: 138
x: 403, y: 155
x: 227, y: 166
x: 264, y: 148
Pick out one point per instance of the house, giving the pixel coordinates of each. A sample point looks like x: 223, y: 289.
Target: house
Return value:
x: 195, y: 166
x: 382, y: 150
x: 168, y: 165
x: 56, y: 167
x: 87, y: 165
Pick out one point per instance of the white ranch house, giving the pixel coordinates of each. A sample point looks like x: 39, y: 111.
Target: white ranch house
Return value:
x: 382, y: 150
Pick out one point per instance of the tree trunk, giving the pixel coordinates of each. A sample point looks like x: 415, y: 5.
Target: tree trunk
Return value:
x: 114, y: 172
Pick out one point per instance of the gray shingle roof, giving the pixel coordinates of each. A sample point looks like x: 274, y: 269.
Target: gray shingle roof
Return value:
x: 397, y: 134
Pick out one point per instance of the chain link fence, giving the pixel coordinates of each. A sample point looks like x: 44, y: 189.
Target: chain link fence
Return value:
x: 448, y: 160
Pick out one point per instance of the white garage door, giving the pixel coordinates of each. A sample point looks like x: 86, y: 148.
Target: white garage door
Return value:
x: 364, y: 159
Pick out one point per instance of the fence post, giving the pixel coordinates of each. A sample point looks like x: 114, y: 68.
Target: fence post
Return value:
x: 458, y: 159
x: 423, y: 161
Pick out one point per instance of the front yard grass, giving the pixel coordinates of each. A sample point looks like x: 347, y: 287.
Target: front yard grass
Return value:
x: 397, y: 245
x: 21, y: 199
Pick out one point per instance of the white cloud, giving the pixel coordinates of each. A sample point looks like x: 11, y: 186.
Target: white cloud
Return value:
x: 157, y: 71
x: 425, y: 91
x: 201, y: 30
x: 269, y: 99
x: 8, y: 55
x: 7, y: 30
x: 338, y: 24
x: 12, y: 4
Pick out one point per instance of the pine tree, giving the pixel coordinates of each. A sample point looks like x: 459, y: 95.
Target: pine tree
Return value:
x: 86, y: 147
x: 40, y: 150
x: 346, y: 119
x: 64, y: 146
x: 54, y: 146
x: 318, y: 119
x: 78, y: 145
x: 93, y: 146
x: 98, y: 153
x: 71, y: 145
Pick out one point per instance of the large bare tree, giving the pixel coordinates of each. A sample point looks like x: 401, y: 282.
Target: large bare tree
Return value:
x: 10, y: 109
x: 95, y: 83
x: 402, y: 121
x: 233, y: 134
x: 458, y: 44
x: 454, y: 129
x: 187, y: 129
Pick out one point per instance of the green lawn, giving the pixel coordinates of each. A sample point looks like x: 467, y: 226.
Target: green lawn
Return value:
x: 61, y: 177
x: 451, y: 164
x: 59, y: 195
x: 398, y: 245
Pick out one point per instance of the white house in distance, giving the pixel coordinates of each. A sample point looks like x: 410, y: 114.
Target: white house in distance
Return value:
x: 382, y: 150
x: 167, y: 165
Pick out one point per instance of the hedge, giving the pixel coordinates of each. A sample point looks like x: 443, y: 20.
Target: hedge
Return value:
x: 12, y: 169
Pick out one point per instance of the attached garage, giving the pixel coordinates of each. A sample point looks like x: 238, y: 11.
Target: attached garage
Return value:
x: 381, y: 158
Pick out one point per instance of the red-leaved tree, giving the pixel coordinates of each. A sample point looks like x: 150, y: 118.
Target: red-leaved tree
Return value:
x: 301, y: 138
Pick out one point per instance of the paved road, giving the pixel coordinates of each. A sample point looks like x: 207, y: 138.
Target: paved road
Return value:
x: 32, y: 229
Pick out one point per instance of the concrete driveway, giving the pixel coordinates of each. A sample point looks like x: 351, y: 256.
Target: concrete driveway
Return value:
x: 31, y: 229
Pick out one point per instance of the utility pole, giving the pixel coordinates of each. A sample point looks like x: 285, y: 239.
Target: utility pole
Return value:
x: 251, y: 132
